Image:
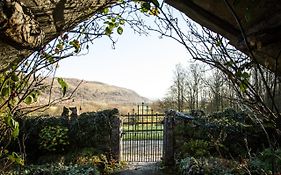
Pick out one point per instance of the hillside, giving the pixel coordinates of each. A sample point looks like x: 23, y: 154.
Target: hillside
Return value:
x: 92, y: 96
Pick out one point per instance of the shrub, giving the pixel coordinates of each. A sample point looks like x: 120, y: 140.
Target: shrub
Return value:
x: 220, y: 129
x: 58, y: 169
x: 48, y: 135
x: 104, y: 165
x: 196, y: 148
x: 266, y: 162
x: 53, y: 138
x: 209, y: 166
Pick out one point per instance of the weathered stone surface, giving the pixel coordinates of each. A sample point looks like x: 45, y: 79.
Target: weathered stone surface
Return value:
x: 27, y: 25
x: 19, y: 26
x: 168, y: 141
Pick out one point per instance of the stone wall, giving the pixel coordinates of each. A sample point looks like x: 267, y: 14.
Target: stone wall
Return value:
x: 97, y: 130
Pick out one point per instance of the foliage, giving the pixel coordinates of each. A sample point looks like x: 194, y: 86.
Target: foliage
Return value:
x: 22, y: 82
x: 228, y: 135
x: 63, y: 85
x: 58, y: 169
x: 266, y: 161
x: 215, y: 134
x: 252, y: 85
x: 196, y: 148
x: 103, y: 164
x: 209, y: 166
x: 53, y: 138
x: 259, y: 165
x: 45, y: 135
x: 85, y: 161
x: 15, y: 88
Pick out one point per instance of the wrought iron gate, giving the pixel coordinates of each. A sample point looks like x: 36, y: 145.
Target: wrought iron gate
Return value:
x: 142, y: 135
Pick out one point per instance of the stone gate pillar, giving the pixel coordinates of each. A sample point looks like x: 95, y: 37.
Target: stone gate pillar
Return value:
x: 168, y: 142
x: 116, y: 137
x: 172, y: 118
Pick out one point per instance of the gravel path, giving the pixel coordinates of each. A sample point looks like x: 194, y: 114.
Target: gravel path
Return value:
x: 143, y: 150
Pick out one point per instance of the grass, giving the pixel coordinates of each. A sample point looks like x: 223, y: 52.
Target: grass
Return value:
x: 142, y: 127
x: 143, y: 136
x: 143, y: 132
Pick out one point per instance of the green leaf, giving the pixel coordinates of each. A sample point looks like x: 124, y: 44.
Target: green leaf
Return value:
x: 16, y: 130
x: 218, y: 43
x: 122, y: 22
x: 105, y: 11
x: 13, y: 124
x: 28, y: 100
x: 5, y: 91
x: 60, y: 46
x: 120, y: 30
x: 108, y: 31
x: 15, y: 78
x: 245, y: 75
x: 14, y: 157
x: 48, y: 57
x: 34, y: 95
x: 243, y: 87
x: 154, y: 12
x: 63, y: 85
x: 76, y: 44
x: 145, y: 7
x: 8, y: 119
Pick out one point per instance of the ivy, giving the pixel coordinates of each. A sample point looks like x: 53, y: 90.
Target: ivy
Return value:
x: 53, y: 138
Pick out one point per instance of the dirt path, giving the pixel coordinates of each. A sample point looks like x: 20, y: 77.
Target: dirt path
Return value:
x: 144, y: 168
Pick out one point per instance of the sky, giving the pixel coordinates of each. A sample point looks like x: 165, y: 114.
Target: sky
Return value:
x: 144, y: 64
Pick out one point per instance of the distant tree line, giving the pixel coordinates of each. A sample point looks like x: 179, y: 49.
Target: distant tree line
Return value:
x: 199, y: 87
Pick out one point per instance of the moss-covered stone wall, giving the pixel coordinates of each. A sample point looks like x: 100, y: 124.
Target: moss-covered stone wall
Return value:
x: 98, y: 130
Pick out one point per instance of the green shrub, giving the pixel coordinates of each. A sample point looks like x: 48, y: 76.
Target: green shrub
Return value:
x: 196, y: 148
x: 89, y: 130
x: 53, y: 138
x: 104, y: 165
x: 209, y: 166
x: 58, y: 169
x: 266, y: 162
x: 230, y: 134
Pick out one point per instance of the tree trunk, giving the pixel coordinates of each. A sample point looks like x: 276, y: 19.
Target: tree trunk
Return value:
x: 27, y: 25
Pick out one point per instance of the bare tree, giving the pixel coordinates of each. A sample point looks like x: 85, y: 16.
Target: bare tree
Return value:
x: 177, y: 90
x: 214, y: 50
x: 195, y: 80
x: 187, y: 87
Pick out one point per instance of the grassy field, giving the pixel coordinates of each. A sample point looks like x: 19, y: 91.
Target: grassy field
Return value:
x: 143, y: 136
x: 146, y: 127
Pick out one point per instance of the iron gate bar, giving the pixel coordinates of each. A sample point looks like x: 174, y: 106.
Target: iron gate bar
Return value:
x: 142, y: 135
x: 151, y: 135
